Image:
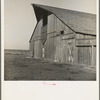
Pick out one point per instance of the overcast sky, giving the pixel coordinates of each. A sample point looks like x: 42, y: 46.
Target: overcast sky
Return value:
x: 19, y: 18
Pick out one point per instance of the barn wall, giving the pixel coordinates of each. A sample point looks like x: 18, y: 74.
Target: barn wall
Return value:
x: 85, y: 49
x: 68, y: 48
x: 31, y: 48
x: 59, y: 47
x: 35, y: 43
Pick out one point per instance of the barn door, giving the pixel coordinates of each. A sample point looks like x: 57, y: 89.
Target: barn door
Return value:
x: 85, y: 55
x: 63, y: 50
x: 67, y: 51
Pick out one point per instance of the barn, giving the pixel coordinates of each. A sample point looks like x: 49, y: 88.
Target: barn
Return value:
x: 63, y: 35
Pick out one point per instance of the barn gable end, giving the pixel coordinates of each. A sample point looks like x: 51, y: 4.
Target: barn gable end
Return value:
x: 61, y: 39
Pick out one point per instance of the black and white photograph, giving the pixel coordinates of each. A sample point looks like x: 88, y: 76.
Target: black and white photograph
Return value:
x: 49, y: 49
x: 50, y: 41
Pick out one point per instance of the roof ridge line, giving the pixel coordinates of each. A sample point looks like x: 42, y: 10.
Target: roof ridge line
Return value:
x: 61, y: 8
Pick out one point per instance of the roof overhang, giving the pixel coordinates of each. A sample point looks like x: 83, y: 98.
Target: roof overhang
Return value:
x: 79, y: 22
x: 39, y: 12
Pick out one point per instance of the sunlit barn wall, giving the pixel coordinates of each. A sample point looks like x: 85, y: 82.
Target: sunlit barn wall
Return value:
x: 62, y: 44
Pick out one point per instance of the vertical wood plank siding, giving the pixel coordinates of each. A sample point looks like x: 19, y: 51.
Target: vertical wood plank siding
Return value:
x: 68, y: 48
x: 59, y: 50
x: 86, y: 46
x: 36, y: 46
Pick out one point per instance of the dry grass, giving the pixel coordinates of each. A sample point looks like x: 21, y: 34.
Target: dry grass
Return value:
x: 20, y: 67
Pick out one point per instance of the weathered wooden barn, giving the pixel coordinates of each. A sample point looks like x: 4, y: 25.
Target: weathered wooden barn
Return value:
x: 63, y: 35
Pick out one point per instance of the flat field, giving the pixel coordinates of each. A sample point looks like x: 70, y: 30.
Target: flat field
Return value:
x: 21, y: 67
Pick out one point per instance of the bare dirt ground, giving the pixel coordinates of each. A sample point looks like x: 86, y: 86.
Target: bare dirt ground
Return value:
x: 20, y: 67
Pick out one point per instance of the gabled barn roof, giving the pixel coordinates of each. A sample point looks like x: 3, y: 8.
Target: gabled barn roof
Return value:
x: 79, y: 22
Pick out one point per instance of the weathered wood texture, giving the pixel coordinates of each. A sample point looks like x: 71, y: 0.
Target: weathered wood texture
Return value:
x: 35, y: 43
x: 70, y: 47
x: 86, y: 49
x: 59, y: 46
x: 43, y: 34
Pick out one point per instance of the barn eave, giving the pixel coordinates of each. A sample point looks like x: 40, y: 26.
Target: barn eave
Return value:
x: 87, y: 20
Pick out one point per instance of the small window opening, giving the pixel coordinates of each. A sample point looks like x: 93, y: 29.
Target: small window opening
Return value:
x: 44, y: 20
x: 62, y: 32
